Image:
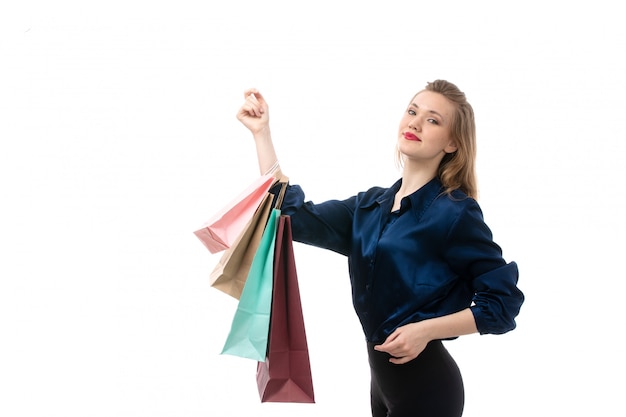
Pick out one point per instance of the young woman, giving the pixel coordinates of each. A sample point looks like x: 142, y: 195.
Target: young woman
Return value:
x: 422, y: 262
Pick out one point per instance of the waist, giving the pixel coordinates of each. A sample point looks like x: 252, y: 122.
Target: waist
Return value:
x: 433, y: 349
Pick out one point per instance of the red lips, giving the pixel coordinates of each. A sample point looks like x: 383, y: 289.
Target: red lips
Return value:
x: 410, y: 136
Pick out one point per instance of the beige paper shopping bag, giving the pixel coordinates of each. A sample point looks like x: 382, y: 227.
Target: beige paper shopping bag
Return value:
x: 229, y: 275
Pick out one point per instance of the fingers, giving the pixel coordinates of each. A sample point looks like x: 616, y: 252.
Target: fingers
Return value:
x: 402, y: 360
x: 254, y: 104
x: 398, y: 355
x: 250, y: 109
x: 390, y: 345
x: 389, y: 342
x: 253, y: 92
x: 249, y: 91
x: 400, y: 350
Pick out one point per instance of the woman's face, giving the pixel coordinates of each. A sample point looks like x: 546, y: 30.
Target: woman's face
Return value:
x: 424, y: 133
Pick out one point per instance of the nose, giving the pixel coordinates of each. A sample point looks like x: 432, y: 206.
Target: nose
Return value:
x: 414, y: 124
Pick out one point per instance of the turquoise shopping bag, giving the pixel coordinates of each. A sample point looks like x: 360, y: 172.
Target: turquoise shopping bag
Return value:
x: 249, y: 331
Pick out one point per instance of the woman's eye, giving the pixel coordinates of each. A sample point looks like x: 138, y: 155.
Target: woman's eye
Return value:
x: 411, y: 112
x: 433, y: 121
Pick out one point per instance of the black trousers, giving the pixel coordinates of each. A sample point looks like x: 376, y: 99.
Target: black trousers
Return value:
x: 429, y: 386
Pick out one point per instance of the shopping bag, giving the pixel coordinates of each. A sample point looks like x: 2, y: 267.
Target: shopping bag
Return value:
x: 250, y: 327
x: 285, y: 375
x: 220, y: 231
x: 229, y: 275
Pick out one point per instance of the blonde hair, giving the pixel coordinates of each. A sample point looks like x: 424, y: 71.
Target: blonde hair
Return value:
x: 457, y: 170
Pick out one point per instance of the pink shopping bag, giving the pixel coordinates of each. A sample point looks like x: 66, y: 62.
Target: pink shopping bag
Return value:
x: 220, y: 231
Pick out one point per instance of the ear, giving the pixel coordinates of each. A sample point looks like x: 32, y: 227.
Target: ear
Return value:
x: 451, y: 147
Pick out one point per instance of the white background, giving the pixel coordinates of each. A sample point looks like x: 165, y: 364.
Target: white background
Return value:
x: 118, y: 137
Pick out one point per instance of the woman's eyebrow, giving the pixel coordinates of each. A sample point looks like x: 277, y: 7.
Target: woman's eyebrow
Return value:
x: 430, y: 111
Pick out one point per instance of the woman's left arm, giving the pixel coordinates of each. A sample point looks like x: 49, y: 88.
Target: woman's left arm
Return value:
x: 474, y: 256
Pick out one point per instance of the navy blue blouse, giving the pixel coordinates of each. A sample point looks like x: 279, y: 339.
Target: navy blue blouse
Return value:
x: 433, y: 257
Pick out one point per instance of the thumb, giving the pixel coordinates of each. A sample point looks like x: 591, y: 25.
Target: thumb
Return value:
x: 385, y: 345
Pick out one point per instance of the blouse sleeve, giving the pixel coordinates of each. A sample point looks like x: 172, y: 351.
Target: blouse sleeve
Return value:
x: 473, y: 254
x: 327, y: 225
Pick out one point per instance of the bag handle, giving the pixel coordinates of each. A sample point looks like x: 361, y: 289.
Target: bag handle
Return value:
x: 281, y: 193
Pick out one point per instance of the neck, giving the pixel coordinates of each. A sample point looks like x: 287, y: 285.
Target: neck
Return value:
x: 414, y: 178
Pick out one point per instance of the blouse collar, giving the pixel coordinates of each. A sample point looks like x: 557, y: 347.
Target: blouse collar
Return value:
x: 419, y: 200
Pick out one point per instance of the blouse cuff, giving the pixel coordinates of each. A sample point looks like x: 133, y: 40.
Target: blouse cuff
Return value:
x: 497, y: 300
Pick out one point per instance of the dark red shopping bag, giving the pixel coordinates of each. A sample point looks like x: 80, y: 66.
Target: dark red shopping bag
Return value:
x: 285, y: 376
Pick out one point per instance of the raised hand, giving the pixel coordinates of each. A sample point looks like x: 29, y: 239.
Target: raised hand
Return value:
x: 254, y: 113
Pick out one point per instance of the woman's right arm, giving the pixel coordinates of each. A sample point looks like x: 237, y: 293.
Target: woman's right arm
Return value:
x: 254, y: 114
x: 325, y: 225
